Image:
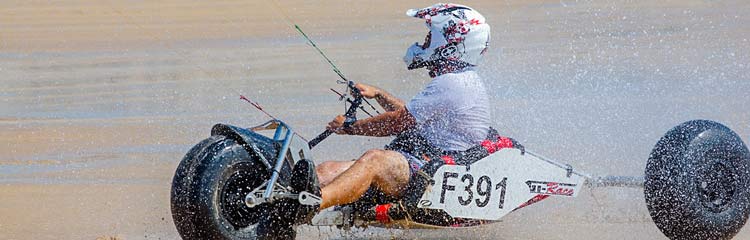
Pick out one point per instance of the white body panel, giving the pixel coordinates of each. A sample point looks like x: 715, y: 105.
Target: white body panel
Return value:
x: 298, y: 149
x: 496, y: 185
x: 328, y: 217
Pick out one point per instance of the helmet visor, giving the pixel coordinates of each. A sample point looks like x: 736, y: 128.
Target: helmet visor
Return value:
x: 427, y: 39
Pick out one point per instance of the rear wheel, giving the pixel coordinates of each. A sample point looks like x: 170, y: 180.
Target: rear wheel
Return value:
x: 697, y: 181
x: 209, y: 188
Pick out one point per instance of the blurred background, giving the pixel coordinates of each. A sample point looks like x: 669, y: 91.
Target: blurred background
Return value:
x: 99, y: 100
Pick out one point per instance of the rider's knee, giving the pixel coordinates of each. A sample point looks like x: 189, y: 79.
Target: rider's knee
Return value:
x: 372, y: 156
x: 324, y: 167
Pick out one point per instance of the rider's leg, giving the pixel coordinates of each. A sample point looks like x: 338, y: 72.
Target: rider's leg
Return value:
x: 327, y: 171
x: 387, y: 170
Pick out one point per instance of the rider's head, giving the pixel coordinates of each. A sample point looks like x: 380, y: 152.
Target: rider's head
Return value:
x: 457, y: 39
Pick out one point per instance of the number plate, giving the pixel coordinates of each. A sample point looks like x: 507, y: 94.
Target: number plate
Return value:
x: 496, y: 185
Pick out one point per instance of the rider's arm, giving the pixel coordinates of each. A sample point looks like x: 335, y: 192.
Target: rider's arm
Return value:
x: 386, y: 124
x: 388, y: 101
x: 385, y: 99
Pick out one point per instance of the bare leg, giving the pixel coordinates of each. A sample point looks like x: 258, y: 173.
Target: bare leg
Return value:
x: 386, y: 170
x: 327, y: 171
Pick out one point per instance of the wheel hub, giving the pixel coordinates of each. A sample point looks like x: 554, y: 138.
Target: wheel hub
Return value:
x: 232, y: 203
x: 716, y: 184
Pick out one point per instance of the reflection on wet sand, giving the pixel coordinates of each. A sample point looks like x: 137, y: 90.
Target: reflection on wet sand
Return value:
x: 101, y: 99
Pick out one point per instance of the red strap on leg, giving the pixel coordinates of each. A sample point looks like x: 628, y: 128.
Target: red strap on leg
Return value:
x: 381, y: 213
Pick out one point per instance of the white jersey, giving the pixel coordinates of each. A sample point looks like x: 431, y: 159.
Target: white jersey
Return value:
x: 452, y: 111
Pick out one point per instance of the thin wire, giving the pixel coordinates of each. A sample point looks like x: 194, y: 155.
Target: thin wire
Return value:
x: 257, y: 106
x: 335, y: 69
x: 371, y: 106
x: 310, y: 41
x: 132, y: 21
x: 342, y: 97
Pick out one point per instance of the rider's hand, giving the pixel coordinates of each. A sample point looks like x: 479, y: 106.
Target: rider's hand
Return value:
x: 367, y: 91
x: 337, y: 125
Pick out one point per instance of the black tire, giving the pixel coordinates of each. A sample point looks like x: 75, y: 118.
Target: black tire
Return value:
x: 697, y: 180
x: 209, y: 187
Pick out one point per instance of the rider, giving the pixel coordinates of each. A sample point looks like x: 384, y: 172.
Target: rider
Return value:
x: 452, y: 113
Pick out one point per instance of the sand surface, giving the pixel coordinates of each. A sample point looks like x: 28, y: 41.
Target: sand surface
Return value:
x: 99, y: 100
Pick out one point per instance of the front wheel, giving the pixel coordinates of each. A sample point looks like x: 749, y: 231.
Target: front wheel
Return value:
x: 209, y: 188
x: 698, y: 182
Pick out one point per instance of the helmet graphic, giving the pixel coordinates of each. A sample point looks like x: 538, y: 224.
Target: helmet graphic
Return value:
x: 458, y: 35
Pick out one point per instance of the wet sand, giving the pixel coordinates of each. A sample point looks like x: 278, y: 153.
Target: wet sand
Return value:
x: 99, y: 100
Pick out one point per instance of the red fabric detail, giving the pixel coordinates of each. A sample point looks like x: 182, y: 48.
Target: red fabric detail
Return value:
x: 502, y: 142
x: 487, y: 144
x: 381, y: 213
x: 449, y: 160
x: 533, y: 200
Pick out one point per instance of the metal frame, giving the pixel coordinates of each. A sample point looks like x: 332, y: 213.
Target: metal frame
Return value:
x: 615, y: 181
x: 596, y: 181
x: 270, y: 189
x: 280, y: 158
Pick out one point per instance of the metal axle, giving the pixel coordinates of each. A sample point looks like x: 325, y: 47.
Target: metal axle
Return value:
x: 615, y: 181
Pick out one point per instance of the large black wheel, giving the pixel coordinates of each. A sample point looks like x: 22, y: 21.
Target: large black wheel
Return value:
x: 697, y: 182
x: 209, y: 188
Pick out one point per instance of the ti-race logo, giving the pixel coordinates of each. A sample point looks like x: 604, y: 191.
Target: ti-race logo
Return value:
x: 551, y: 188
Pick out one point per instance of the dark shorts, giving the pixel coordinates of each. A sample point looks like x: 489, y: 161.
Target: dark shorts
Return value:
x: 415, y: 163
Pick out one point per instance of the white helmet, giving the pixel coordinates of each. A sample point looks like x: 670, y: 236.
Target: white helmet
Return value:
x: 458, y: 35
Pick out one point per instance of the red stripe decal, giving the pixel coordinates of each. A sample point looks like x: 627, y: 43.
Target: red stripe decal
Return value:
x: 533, y: 200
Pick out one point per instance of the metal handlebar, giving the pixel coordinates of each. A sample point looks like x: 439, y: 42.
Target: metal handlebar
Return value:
x: 351, y: 114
